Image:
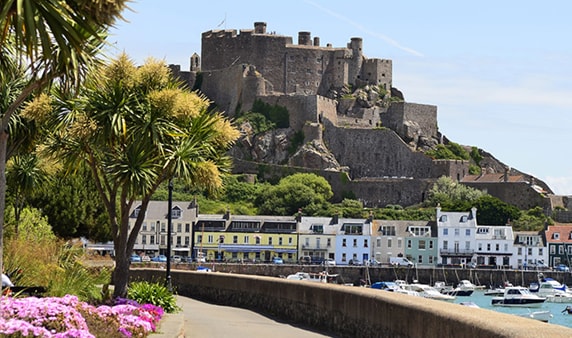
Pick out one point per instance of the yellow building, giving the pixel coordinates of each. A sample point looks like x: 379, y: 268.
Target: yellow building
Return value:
x: 246, y: 238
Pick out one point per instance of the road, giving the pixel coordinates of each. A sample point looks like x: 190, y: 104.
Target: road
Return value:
x: 209, y: 320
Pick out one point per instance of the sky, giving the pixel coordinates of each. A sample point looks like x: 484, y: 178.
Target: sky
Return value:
x: 499, y: 72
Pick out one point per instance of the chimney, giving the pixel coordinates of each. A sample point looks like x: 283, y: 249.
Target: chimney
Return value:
x: 335, y: 219
x: 227, y: 214
x: 317, y: 41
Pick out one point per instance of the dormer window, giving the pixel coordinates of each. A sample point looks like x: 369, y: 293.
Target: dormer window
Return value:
x: 176, y: 212
x: 556, y: 235
x: 443, y: 218
x: 136, y: 212
x: 463, y: 219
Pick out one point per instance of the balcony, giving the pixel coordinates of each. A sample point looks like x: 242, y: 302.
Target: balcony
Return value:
x: 457, y: 252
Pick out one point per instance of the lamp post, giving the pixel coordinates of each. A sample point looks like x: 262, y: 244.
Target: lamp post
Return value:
x: 169, y: 221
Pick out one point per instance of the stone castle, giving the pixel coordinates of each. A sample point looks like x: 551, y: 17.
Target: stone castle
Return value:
x: 359, y: 132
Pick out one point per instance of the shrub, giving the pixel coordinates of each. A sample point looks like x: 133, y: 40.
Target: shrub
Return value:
x: 153, y: 293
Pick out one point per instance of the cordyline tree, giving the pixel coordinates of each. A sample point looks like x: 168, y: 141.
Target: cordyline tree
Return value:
x: 136, y: 128
x: 51, y: 40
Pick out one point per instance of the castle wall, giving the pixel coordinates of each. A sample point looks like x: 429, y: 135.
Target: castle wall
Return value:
x: 456, y: 169
x: 375, y: 153
x: 519, y: 194
x: 303, y: 109
x: 305, y: 68
x: 225, y: 87
x: 378, y: 72
x: 373, y: 192
x: 398, y: 113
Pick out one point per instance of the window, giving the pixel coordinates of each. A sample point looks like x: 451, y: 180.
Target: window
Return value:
x: 399, y: 243
x: 445, y: 245
x: 343, y: 257
x: 488, y: 246
x: 540, y: 252
x: 144, y: 228
x: 409, y: 243
x: 318, y: 243
x: 480, y: 246
x: 570, y: 250
x: 457, y: 232
x: 163, y: 226
x: 187, y: 240
x: 561, y: 250
x: 553, y: 249
x: 421, y: 245
x: 519, y: 252
x: 246, y: 239
x: 530, y: 251
x: 144, y: 239
x: 378, y: 242
x: 152, y: 226
x: 179, y: 227
x: 463, y: 219
x: 556, y: 235
x: 467, y: 232
x: 257, y: 241
x: 176, y: 212
x: 365, y: 243
x: 505, y: 247
x: 163, y: 240
x: 388, y: 230
x: 279, y: 240
x: 329, y: 242
x: 178, y: 241
x: 445, y: 232
x: 187, y: 227
x: 151, y: 239
x: 235, y: 239
x: 497, y: 247
x: 290, y: 240
x: 307, y: 241
x: 355, y: 242
x: 344, y: 242
x: 467, y: 245
x: 420, y: 259
x: 210, y: 239
x: 269, y: 240
x: 430, y: 244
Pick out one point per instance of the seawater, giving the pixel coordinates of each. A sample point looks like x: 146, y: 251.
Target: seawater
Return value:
x: 478, y: 297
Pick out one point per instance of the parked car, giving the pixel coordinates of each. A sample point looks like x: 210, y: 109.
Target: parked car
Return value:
x: 329, y: 262
x: 305, y: 260
x: 355, y: 261
x: 373, y: 262
x: 177, y: 259
x: 562, y: 267
x: 145, y: 258
x: 277, y: 260
x: 400, y: 261
x: 160, y: 258
x: 135, y: 258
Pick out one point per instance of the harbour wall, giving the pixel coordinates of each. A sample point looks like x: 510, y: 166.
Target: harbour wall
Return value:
x: 345, y: 311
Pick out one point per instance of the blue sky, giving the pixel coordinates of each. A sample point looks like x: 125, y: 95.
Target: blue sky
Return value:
x: 500, y: 72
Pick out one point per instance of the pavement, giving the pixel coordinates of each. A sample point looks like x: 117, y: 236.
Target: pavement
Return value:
x: 200, y: 319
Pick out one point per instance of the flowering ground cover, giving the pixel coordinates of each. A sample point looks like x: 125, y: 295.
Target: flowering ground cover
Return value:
x: 67, y: 317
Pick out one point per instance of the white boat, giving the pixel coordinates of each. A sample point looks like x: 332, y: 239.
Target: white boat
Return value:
x: 464, y: 289
x: 322, y: 277
x: 393, y: 287
x: 518, y: 296
x: 543, y: 316
x: 428, y: 291
x: 553, y: 291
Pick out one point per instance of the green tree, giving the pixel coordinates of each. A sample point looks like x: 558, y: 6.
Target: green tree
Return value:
x: 51, y: 40
x: 493, y: 211
x: 136, y: 128
x: 308, y: 192
x: 451, y: 195
x: 25, y: 175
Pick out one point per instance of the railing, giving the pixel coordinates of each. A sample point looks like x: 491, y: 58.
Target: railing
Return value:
x: 457, y: 252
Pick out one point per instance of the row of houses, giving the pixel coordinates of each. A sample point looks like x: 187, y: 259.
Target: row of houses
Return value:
x: 453, y: 238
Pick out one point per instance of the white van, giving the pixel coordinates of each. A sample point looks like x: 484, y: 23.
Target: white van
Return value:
x: 400, y: 261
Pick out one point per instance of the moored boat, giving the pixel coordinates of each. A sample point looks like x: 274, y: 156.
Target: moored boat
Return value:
x: 517, y: 296
x: 428, y: 291
x: 322, y: 277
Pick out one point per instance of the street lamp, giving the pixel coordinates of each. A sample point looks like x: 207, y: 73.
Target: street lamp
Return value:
x: 169, y: 221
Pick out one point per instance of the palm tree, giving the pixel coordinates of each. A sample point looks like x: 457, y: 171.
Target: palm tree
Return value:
x: 136, y: 128
x: 51, y: 40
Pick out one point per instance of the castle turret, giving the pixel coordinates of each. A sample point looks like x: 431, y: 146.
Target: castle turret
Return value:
x: 260, y: 28
x: 305, y: 38
x: 317, y: 41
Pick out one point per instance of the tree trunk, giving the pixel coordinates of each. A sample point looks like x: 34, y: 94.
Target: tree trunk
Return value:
x: 121, y: 274
x: 3, y: 147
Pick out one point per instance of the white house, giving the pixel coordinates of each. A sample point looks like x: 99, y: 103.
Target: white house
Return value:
x: 494, y: 246
x: 456, y: 236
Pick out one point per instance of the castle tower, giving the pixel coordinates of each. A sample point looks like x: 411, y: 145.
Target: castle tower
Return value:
x: 195, y: 62
x: 356, y: 45
x: 260, y: 28
x: 305, y: 38
x: 317, y: 41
